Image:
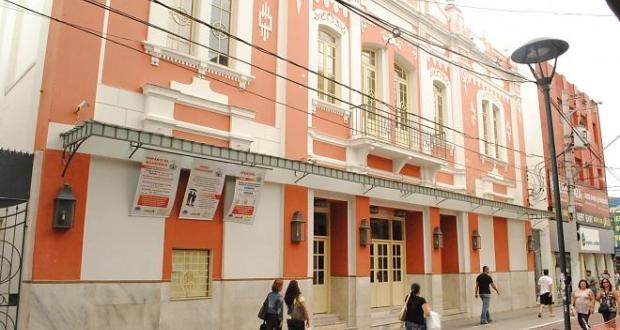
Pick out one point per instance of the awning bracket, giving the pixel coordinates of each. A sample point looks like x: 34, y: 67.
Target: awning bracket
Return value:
x: 305, y: 174
x: 369, y: 189
x: 136, y: 147
x: 441, y: 201
x: 68, y: 152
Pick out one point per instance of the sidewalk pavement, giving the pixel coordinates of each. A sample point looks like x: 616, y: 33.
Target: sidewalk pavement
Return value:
x: 519, y: 319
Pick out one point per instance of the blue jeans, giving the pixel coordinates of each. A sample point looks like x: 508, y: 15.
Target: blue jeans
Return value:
x: 414, y: 326
x: 486, y: 302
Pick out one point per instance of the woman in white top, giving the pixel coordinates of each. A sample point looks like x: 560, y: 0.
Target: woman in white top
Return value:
x: 583, y: 304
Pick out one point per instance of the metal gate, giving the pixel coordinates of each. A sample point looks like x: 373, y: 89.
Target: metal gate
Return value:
x: 13, y: 215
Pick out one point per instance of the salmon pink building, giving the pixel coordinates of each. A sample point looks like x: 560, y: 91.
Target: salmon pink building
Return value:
x: 189, y: 152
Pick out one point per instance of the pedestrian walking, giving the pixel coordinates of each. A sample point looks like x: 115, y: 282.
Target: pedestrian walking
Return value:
x: 272, y: 310
x: 416, y: 309
x: 582, y: 303
x: 592, y: 283
x: 605, y: 275
x: 617, y: 277
x: 545, y: 288
x: 297, y: 316
x: 607, y: 298
x: 484, y: 282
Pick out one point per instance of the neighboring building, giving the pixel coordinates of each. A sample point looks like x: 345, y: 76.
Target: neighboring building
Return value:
x: 588, y: 231
x: 307, y: 171
x: 614, y: 212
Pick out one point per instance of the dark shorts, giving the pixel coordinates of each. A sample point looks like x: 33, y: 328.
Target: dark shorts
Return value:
x: 545, y: 299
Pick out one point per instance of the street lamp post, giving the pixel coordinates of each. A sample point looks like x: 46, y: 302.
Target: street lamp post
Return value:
x: 539, y: 51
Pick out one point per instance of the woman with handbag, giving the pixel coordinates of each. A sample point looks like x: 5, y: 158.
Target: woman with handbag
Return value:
x: 297, y: 311
x: 273, y: 307
x: 583, y: 304
x: 415, y: 310
x: 608, y: 298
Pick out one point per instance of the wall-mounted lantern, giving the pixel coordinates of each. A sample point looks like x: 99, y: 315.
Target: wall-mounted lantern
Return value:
x: 64, y: 208
x: 364, y: 232
x: 476, y: 240
x: 437, y: 238
x: 297, y: 227
x: 530, y: 243
x: 374, y: 209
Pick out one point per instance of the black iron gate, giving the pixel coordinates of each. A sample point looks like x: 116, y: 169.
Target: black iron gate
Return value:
x: 13, y: 215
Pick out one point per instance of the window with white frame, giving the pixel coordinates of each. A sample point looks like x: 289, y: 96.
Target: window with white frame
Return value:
x: 219, y: 40
x: 491, y: 126
x: 401, y: 92
x: 191, y: 275
x: 369, y: 82
x: 327, y: 66
x: 180, y: 25
x: 439, y: 103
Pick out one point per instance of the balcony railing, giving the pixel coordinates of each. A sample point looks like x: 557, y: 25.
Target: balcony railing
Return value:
x: 369, y: 121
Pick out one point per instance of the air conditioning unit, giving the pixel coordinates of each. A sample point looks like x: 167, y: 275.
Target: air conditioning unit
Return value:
x: 584, y: 141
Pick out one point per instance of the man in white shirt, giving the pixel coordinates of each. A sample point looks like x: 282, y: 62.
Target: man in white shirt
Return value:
x: 545, y: 289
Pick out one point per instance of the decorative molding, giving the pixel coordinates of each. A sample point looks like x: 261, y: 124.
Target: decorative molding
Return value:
x: 329, y: 107
x: 329, y: 19
x: 299, y: 7
x: 322, y: 137
x: 265, y: 21
x: 440, y: 76
x: 367, y: 24
x: 197, y: 102
x: 203, y: 67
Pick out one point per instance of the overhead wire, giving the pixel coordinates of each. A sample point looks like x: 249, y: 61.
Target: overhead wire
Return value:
x: 102, y: 36
x: 519, y: 11
x: 131, y: 17
x: 384, y: 103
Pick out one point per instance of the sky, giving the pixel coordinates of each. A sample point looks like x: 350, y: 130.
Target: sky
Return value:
x: 592, y: 62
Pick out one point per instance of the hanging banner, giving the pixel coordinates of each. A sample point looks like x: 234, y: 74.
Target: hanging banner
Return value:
x: 204, y: 190
x: 246, y: 194
x: 157, y: 185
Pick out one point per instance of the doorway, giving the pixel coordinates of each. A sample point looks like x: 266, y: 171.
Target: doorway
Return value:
x: 386, y: 262
x: 321, y: 258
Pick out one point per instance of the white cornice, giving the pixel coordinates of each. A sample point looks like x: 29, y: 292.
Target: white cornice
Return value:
x: 330, y: 107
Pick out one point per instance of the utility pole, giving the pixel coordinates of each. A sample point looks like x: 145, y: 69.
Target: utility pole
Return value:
x: 569, y: 167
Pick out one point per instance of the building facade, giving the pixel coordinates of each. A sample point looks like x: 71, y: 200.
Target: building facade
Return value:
x: 320, y: 145
x: 588, y: 231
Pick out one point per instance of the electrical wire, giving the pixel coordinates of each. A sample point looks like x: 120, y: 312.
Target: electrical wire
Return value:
x: 102, y: 36
x: 389, y: 106
x: 121, y: 13
x: 520, y: 11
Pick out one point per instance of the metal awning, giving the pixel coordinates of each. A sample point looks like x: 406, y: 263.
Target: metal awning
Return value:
x: 73, y: 138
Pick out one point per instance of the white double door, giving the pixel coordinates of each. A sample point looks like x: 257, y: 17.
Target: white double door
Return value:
x: 320, y: 274
x: 386, y: 273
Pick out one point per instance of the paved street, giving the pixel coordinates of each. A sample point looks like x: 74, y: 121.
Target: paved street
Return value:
x: 520, y: 319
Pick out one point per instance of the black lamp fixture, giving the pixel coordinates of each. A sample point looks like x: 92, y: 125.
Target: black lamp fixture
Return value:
x: 297, y: 227
x: 476, y: 240
x: 437, y: 238
x: 530, y: 243
x: 537, y: 52
x: 64, y: 208
x: 364, y: 232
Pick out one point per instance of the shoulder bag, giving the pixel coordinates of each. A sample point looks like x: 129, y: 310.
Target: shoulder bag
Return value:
x: 262, y: 313
x: 604, y: 306
x: 402, y: 315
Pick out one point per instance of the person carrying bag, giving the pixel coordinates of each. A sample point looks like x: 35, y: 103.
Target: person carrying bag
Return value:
x: 416, y: 313
x: 298, y: 316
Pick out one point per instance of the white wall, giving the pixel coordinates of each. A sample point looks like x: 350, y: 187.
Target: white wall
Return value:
x: 255, y: 251
x: 23, y: 41
x: 487, y: 238
x: 533, y: 143
x: 118, y: 246
x: 516, y: 245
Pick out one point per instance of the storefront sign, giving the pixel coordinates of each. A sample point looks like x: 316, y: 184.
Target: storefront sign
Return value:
x: 592, y: 219
x: 157, y: 185
x: 247, y: 192
x: 590, y: 239
x: 204, y: 190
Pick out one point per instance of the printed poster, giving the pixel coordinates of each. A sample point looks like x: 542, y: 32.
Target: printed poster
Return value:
x: 204, y: 190
x: 157, y: 185
x: 246, y: 194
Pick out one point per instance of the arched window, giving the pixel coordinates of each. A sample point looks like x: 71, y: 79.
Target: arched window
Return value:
x: 327, y: 66
x: 180, y: 25
x: 369, y: 81
x: 401, y: 92
x: 439, y: 104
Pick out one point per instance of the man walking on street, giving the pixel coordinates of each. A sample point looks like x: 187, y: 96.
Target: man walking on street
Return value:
x: 483, y: 284
x: 545, y: 285
x: 591, y: 281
